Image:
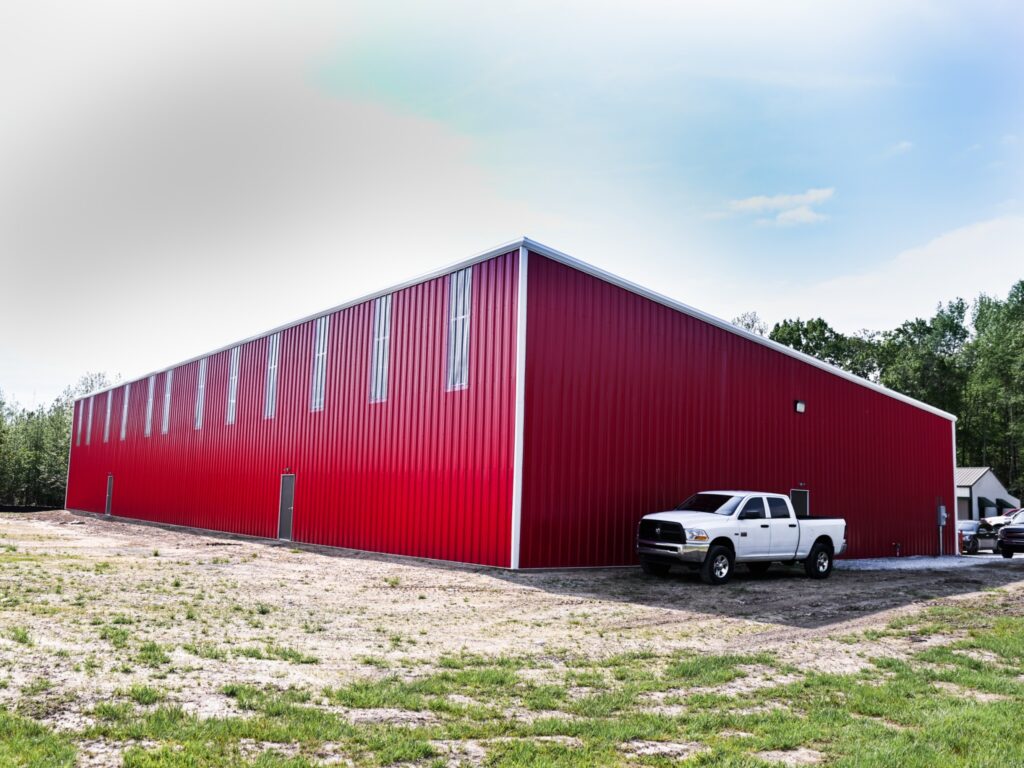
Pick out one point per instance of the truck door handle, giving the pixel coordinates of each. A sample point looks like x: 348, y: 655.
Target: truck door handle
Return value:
x: 792, y: 525
x: 764, y: 525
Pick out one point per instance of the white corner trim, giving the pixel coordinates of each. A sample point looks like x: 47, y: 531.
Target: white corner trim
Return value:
x: 517, y: 460
x: 952, y: 511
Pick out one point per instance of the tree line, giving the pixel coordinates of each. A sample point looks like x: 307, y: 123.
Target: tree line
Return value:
x: 35, y: 444
x: 969, y: 363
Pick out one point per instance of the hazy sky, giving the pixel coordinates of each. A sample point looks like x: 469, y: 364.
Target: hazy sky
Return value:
x: 178, y: 175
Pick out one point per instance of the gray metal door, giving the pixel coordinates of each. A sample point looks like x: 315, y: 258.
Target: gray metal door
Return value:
x: 284, y: 520
x: 110, y: 494
x: 801, y: 502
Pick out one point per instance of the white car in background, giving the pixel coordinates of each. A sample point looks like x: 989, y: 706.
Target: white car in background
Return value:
x: 713, y: 530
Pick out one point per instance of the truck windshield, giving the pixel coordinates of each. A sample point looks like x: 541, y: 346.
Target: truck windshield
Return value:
x: 718, y: 503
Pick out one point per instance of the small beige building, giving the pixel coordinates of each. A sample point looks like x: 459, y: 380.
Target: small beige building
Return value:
x: 980, y: 494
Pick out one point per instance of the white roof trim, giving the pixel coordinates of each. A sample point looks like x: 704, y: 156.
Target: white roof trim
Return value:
x: 582, y: 266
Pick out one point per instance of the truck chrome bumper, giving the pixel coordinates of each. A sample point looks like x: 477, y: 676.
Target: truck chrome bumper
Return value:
x: 690, y: 552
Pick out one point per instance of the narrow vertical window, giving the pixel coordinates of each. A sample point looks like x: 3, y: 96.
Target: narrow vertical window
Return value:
x: 165, y: 415
x: 459, y: 300
x: 151, y: 385
x: 270, y: 401
x: 200, y: 393
x: 80, y: 405
x: 88, y: 427
x: 124, y: 410
x: 381, y: 345
x: 232, y: 387
x: 316, y: 399
x: 106, y: 419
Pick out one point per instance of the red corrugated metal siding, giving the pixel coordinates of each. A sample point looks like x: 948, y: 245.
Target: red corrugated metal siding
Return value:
x: 425, y: 473
x: 631, y: 406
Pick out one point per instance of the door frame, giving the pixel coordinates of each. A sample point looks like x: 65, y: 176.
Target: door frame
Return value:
x: 807, y: 495
x: 109, y: 502
x: 280, y: 498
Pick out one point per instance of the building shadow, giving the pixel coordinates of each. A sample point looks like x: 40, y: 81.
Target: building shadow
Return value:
x: 783, y: 596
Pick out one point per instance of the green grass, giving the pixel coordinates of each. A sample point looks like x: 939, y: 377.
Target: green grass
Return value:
x: 279, y: 652
x: 206, y: 651
x: 116, y: 636
x: 20, y: 635
x: 26, y: 743
x: 554, y: 708
x: 145, y: 695
x: 152, y: 655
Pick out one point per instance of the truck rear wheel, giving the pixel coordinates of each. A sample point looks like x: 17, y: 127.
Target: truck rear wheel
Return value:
x: 718, y: 565
x: 654, y: 568
x: 818, y: 564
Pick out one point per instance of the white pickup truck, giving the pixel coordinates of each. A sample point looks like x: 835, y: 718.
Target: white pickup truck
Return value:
x: 714, y: 530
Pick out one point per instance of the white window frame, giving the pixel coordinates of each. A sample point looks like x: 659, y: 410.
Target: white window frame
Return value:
x: 200, y: 394
x: 318, y: 383
x: 270, y: 395
x: 380, y: 350
x: 124, y: 410
x: 150, y: 388
x: 232, y: 411
x: 165, y: 416
x: 106, y: 419
x: 88, y: 428
x: 460, y: 301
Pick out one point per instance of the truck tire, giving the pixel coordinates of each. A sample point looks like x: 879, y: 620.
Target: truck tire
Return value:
x: 818, y: 564
x: 718, y: 565
x: 1006, y: 553
x: 972, y: 548
x: 758, y: 569
x: 654, y: 568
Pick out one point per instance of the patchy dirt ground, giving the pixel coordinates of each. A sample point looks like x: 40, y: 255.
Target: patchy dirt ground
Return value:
x: 91, y: 609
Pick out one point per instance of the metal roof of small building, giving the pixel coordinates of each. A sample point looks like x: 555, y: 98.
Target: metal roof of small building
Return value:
x: 968, y: 476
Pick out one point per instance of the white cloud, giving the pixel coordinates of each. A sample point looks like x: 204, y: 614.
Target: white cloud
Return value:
x: 985, y: 257
x: 761, y: 203
x: 900, y: 148
x: 792, y: 209
x: 800, y: 215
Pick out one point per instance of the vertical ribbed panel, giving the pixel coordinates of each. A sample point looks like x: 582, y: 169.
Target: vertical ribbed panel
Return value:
x: 631, y: 406
x: 426, y: 472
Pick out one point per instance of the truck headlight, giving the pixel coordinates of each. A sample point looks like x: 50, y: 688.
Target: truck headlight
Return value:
x: 696, y: 534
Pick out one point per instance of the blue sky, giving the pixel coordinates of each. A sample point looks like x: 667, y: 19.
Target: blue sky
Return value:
x: 910, y: 115
x: 180, y: 176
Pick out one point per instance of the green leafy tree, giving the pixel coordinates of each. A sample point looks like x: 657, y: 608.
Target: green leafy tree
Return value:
x: 991, y: 428
x: 752, y: 322
x: 926, y: 358
x: 35, y: 444
x: 815, y: 337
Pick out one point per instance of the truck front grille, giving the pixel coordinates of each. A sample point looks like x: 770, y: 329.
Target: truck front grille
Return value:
x: 658, y: 530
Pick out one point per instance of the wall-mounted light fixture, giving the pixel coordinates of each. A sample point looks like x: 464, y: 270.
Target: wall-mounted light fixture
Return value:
x: 799, y: 406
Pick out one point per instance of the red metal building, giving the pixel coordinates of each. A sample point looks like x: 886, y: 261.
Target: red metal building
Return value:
x: 520, y: 409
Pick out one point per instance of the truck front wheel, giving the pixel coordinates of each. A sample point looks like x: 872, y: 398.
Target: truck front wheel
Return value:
x: 718, y: 565
x: 818, y: 564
